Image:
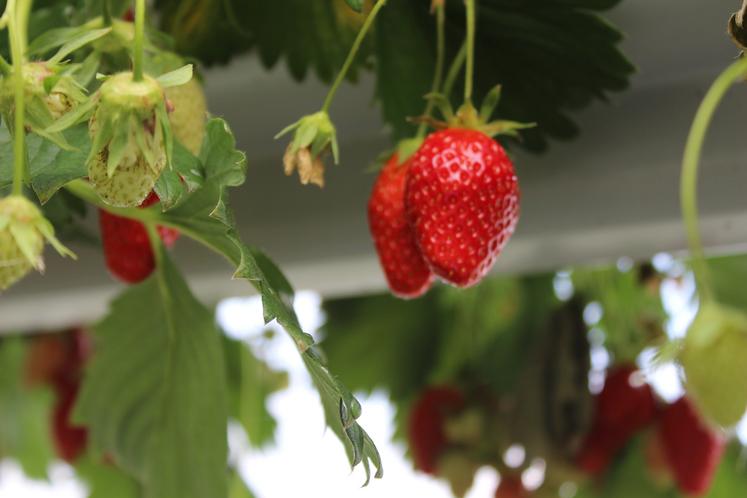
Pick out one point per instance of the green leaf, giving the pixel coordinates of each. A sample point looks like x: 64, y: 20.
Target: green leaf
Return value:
x: 238, y: 488
x: 205, y: 216
x: 54, y: 38
x: 154, y: 395
x: 24, y: 418
x: 105, y: 480
x: 76, y: 43
x: 356, y: 5
x: 550, y: 57
x: 727, y: 274
x: 176, y: 77
x: 251, y: 382
x: 50, y: 166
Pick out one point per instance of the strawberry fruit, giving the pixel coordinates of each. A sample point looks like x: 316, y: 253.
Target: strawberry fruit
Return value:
x: 406, y: 272
x: 621, y: 410
x: 426, y: 429
x: 692, y: 449
x: 462, y: 200
x: 127, y: 249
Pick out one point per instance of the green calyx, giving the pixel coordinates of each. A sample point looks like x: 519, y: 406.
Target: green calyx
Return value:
x: 23, y: 230
x: 49, y: 94
x: 313, y: 136
x: 712, y: 355
x: 407, y: 148
x: 467, y: 116
x: 131, y: 139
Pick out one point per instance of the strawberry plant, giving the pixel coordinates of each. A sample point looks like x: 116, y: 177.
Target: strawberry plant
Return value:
x: 103, y: 113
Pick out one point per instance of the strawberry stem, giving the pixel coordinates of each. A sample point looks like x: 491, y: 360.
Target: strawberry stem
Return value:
x: 691, y: 161
x: 18, y: 14
x: 351, y: 55
x: 139, y: 40
x: 453, y: 74
x: 155, y: 242
x: 439, y: 74
x: 470, y: 69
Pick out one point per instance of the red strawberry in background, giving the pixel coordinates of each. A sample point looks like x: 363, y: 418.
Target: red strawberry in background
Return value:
x: 462, y: 201
x: 406, y: 271
x: 622, y: 408
x: 127, y: 249
x: 511, y: 487
x: 692, y: 449
x: 426, y: 431
x: 70, y: 440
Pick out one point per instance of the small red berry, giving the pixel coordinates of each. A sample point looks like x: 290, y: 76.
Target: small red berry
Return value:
x: 462, y: 201
x: 622, y: 409
x: 406, y: 271
x: 511, y: 486
x: 692, y: 449
x: 426, y: 429
x: 70, y: 440
x: 128, y: 252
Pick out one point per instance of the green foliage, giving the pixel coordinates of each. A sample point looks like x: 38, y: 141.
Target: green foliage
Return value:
x: 105, y: 480
x: 154, y: 395
x: 552, y: 57
x: 50, y: 167
x: 729, y: 274
x: 632, y: 314
x: 24, y: 418
x: 206, y: 217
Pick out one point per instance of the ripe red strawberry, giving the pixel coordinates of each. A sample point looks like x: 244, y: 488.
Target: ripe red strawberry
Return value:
x: 70, y: 440
x: 399, y: 255
x: 426, y: 431
x: 692, y: 449
x: 463, y: 203
x: 127, y: 249
x: 511, y: 487
x: 621, y: 410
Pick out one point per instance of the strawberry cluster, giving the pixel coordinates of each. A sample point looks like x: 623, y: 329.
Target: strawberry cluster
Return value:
x: 57, y: 360
x: 446, y: 212
x: 688, y: 450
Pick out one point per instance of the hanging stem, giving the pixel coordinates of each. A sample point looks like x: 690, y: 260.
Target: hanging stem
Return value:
x: 470, y: 70
x: 456, y: 67
x: 17, y: 12
x: 351, y: 55
x: 106, y: 12
x: 689, y: 184
x: 440, y: 56
x: 139, y: 40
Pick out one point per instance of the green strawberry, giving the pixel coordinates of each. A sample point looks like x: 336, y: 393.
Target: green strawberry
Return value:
x: 188, y: 114
x: 23, y: 230
x: 49, y: 94
x: 131, y: 139
x: 713, y: 356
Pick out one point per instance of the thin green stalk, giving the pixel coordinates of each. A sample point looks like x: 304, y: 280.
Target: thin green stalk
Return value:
x: 470, y: 70
x: 351, y: 55
x: 17, y: 11
x: 155, y: 242
x: 139, y: 40
x: 456, y: 67
x: 691, y: 161
x: 106, y: 12
x: 440, y: 56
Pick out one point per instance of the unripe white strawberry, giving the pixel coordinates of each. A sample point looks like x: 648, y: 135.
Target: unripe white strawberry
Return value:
x: 713, y: 356
x: 131, y: 138
x: 48, y: 95
x: 23, y: 230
